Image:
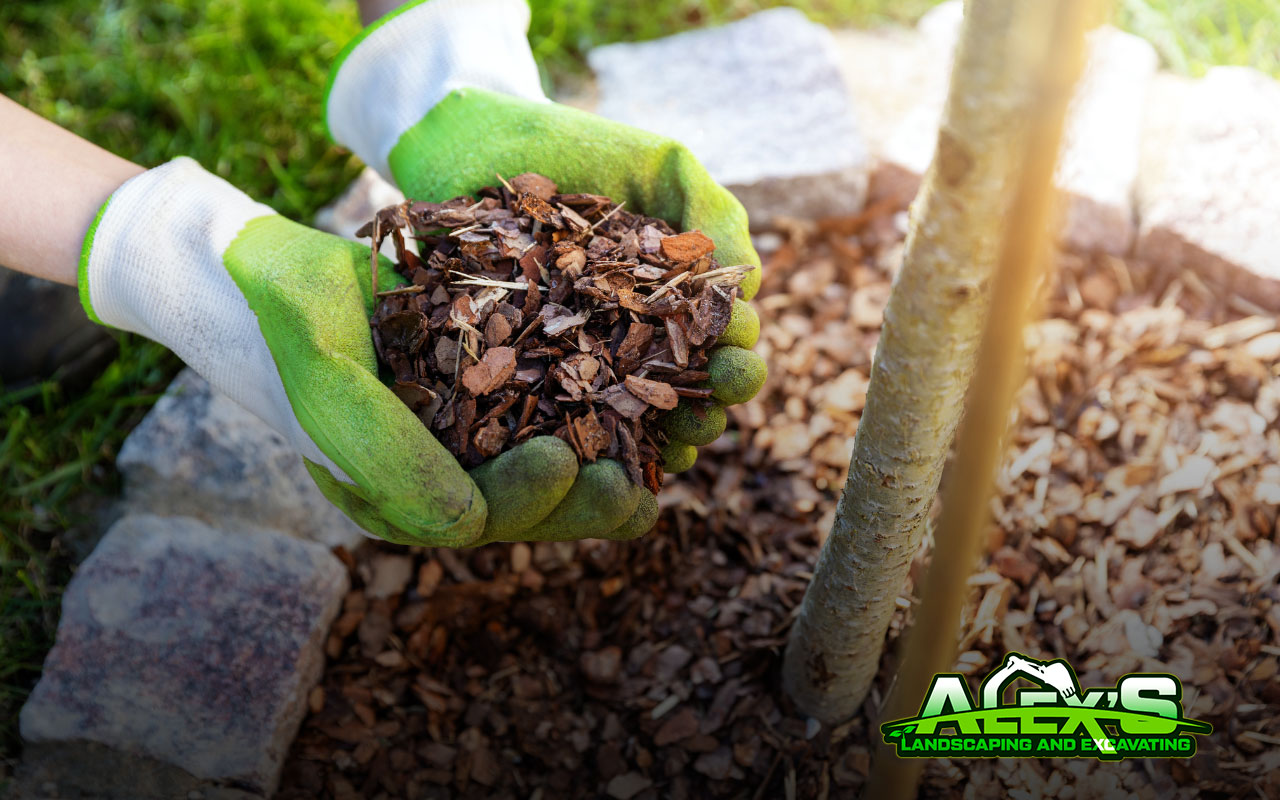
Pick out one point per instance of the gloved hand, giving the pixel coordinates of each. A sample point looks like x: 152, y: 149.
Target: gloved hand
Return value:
x: 442, y: 97
x: 275, y: 315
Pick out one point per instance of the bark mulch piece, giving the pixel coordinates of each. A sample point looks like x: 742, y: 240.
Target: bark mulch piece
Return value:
x: 529, y: 312
x: 1135, y: 531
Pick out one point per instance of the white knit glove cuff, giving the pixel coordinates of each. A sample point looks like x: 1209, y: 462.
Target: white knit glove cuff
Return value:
x: 153, y: 265
x: 400, y: 67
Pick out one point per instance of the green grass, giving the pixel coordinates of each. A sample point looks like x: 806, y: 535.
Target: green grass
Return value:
x: 1193, y: 35
x: 237, y: 85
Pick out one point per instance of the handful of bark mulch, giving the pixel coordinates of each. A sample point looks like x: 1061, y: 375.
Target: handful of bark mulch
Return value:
x: 531, y: 312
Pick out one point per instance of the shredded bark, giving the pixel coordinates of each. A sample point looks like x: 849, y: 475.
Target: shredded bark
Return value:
x: 531, y: 312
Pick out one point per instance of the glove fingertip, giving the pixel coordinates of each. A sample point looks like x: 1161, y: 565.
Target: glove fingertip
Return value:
x: 640, y: 522
x: 744, y: 327
x: 525, y: 484
x: 695, y: 426
x: 678, y: 457
x: 736, y: 375
x: 750, y: 283
x: 351, y: 500
x: 601, y: 499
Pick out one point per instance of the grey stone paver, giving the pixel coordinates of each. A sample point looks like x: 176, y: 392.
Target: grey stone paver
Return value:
x: 759, y: 101
x: 182, y: 662
x: 1099, y: 164
x: 1207, y: 196
x: 200, y: 454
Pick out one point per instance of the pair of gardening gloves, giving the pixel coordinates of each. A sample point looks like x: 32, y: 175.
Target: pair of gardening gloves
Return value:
x: 440, y: 96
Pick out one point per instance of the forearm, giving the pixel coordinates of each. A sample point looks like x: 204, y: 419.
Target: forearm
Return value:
x: 53, y: 183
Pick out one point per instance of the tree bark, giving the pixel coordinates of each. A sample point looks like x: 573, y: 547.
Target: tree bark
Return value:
x: 922, y: 368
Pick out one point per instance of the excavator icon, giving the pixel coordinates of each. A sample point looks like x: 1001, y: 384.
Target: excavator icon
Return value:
x: 1056, y: 675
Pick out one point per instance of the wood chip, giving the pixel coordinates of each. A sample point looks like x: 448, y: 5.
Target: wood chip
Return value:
x: 495, y: 369
x: 655, y: 393
x: 685, y: 247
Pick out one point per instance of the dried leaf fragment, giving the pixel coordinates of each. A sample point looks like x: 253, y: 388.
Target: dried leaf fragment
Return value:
x: 624, y: 402
x: 490, y: 438
x: 686, y: 247
x: 537, y: 185
x: 495, y: 368
x: 539, y: 209
x: 712, y: 311
x: 591, y: 436
x: 497, y: 331
x: 556, y: 319
x: 655, y: 393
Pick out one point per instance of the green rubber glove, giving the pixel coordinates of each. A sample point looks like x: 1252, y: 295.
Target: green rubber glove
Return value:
x: 276, y: 316
x: 473, y: 135
x: 391, y: 99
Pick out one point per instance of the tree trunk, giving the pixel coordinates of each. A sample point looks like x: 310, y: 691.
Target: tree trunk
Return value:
x: 923, y: 363
x: 931, y: 643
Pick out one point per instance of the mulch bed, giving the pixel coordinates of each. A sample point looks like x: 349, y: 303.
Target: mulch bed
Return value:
x: 1136, y: 524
